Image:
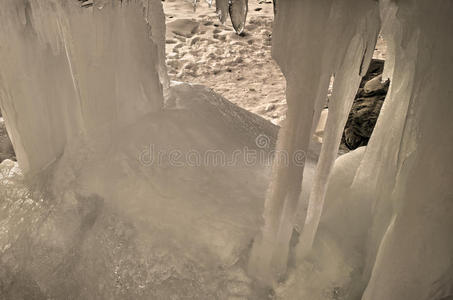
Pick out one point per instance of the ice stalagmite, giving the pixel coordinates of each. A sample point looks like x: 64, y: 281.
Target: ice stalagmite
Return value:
x: 309, y: 52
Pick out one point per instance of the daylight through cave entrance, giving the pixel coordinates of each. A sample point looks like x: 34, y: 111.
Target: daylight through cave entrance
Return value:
x: 202, y: 50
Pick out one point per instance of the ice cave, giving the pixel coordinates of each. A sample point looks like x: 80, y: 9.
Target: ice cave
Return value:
x: 131, y: 185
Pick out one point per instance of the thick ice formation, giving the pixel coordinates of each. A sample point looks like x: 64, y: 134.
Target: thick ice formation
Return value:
x: 387, y: 233
x: 125, y: 196
x: 56, y: 70
x: 341, y: 45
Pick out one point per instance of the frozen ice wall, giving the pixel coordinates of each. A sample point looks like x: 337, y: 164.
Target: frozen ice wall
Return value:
x: 68, y: 71
x: 385, y: 229
x: 412, y: 204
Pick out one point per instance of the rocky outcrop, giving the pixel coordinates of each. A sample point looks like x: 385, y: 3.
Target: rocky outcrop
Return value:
x: 366, y: 107
x: 6, y: 148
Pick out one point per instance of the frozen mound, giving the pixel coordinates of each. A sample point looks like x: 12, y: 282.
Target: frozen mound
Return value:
x: 165, y: 210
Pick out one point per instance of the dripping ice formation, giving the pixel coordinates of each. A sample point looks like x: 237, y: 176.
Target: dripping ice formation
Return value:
x: 93, y: 214
x: 386, y: 228
x: 352, y: 33
x: 77, y: 68
x: 236, y: 9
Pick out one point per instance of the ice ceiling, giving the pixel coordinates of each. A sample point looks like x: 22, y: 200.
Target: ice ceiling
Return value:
x: 93, y: 213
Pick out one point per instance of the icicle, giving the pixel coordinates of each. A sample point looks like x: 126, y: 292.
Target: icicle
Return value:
x: 270, y: 251
x: 321, y: 48
x: 348, y: 76
x: 238, y: 14
x: 222, y: 9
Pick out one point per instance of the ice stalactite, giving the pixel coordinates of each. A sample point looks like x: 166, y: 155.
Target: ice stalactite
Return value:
x: 236, y: 9
x: 388, y: 218
x: 352, y: 66
x: 342, y: 45
x: 221, y: 8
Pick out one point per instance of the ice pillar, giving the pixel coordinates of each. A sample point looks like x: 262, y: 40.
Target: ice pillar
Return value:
x: 312, y: 41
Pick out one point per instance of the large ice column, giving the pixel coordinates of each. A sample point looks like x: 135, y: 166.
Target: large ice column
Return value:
x: 413, y: 213
x: 309, y: 52
x: 67, y: 71
x: 353, y: 64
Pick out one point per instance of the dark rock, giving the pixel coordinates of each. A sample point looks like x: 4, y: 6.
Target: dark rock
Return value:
x: 6, y: 148
x: 366, y: 107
